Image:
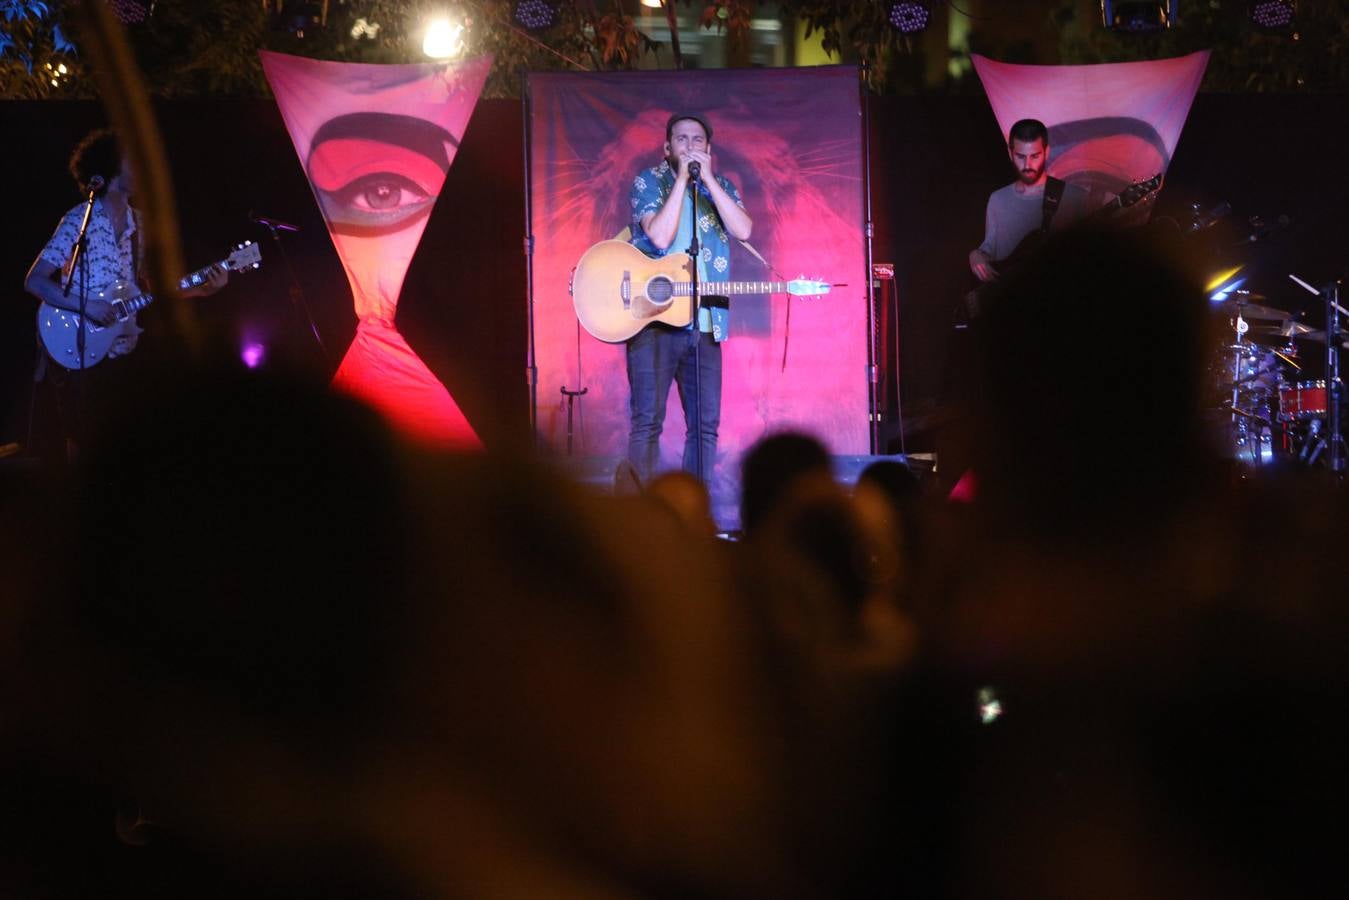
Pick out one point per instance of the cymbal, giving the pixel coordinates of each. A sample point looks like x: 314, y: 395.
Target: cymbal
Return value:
x: 1319, y: 337
x: 1287, y: 328
x: 1250, y: 310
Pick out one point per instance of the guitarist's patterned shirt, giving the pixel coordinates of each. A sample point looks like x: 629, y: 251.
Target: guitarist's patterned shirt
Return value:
x: 649, y: 191
x: 107, y: 259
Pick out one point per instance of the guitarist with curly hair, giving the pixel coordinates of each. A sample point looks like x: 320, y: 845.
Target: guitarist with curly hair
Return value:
x: 112, y: 253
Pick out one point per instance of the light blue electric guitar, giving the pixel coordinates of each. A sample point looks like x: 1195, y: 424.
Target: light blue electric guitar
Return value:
x: 60, y: 328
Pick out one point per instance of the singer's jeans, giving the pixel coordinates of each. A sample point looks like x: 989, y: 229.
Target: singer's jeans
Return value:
x: 657, y: 356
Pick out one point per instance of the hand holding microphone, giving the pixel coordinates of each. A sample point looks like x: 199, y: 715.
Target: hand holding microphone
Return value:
x: 696, y: 161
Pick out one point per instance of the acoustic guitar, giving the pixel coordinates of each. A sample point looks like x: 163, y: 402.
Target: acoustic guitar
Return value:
x: 618, y: 290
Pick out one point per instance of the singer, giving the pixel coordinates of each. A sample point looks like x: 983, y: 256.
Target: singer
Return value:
x: 663, y: 219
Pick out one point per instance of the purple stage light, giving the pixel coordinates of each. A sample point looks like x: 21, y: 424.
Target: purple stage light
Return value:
x: 536, y: 15
x: 252, y: 354
x: 1273, y: 15
x: 910, y: 16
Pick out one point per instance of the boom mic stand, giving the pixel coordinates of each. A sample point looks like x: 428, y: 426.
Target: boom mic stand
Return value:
x: 297, y: 298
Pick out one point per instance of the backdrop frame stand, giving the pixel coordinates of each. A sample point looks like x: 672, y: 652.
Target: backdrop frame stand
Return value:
x: 531, y: 360
x: 873, y: 415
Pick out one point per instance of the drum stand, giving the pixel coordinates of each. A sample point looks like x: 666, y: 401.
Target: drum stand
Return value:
x: 1250, y: 435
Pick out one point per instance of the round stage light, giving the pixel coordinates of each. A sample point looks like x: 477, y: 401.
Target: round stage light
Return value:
x: 535, y: 15
x: 1273, y: 15
x: 910, y: 16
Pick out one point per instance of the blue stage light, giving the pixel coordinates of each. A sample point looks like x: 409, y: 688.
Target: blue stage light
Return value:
x: 535, y: 15
x: 1138, y: 17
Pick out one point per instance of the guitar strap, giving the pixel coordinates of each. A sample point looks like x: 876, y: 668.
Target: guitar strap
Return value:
x: 1053, y: 194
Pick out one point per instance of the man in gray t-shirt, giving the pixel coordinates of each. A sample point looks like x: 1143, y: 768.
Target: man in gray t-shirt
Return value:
x: 1016, y: 210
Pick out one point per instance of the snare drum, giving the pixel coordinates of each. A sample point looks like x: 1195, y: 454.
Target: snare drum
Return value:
x: 1302, y: 401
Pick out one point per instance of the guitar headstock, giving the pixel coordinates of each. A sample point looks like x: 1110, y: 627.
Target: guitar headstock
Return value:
x: 805, y: 287
x: 244, y: 257
x: 1140, y: 190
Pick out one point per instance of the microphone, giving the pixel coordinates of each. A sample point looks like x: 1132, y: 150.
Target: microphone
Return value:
x: 274, y: 224
x: 95, y: 185
x: 695, y: 169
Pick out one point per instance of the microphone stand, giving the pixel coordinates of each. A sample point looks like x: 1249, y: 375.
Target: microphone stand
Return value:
x: 76, y: 254
x: 297, y: 298
x: 694, y: 251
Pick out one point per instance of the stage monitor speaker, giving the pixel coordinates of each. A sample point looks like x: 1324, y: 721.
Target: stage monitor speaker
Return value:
x: 847, y: 469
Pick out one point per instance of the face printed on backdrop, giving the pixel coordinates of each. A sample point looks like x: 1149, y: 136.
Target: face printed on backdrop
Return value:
x: 376, y: 142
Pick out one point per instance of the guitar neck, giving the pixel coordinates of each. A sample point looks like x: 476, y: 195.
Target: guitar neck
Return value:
x: 191, y: 280
x: 731, y: 288
x: 200, y: 277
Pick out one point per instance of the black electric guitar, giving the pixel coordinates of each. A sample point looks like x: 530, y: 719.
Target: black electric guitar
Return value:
x: 1130, y: 196
x: 60, y: 328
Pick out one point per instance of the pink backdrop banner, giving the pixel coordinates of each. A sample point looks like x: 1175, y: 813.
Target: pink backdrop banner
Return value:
x: 1109, y: 125
x: 376, y: 142
x: 791, y: 142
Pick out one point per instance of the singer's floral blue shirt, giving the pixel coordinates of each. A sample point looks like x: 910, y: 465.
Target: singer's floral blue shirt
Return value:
x: 649, y: 190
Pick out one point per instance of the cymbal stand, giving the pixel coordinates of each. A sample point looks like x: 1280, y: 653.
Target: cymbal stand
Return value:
x: 1238, y: 357
x: 1334, y: 387
x: 1332, y: 437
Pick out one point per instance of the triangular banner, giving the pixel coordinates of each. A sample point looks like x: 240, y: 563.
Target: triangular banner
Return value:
x: 1109, y: 125
x: 376, y: 142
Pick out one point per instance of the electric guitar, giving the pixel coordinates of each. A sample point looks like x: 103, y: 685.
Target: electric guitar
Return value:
x: 1131, y: 195
x: 60, y: 328
x: 618, y: 290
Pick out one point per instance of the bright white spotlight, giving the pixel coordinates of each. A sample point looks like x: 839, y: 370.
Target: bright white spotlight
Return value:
x: 444, y: 39
x: 654, y: 4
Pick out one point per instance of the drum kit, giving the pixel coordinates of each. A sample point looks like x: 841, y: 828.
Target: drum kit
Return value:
x: 1269, y: 410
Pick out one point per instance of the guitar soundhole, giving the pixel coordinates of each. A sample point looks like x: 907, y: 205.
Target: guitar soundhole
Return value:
x: 658, y: 290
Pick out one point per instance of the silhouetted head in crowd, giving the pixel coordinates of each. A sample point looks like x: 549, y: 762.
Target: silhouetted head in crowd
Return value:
x: 895, y: 484
x: 816, y: 523
x: 685, y: 496
x: 770, y: 470
x: 1090, y: 362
